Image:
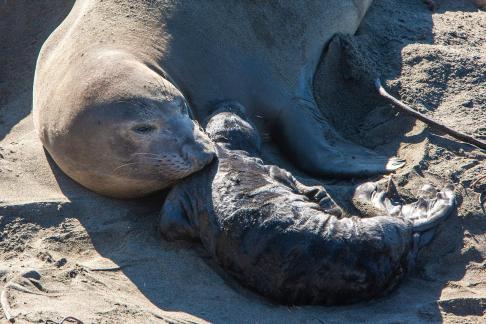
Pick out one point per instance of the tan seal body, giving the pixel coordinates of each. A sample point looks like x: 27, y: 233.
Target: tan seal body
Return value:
x: 113, y: 82
x: 107, y: 116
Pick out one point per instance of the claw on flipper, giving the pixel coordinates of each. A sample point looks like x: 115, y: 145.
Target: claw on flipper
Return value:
x: 395, y: 163
x: 391, y: 189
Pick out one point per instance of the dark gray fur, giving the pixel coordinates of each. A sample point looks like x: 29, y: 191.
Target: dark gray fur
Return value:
x: 277, y: 236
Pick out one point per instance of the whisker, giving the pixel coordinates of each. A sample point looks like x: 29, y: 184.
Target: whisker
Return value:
x: 147, y: 159
x: 124, y: 165
x: 138, y: 162
x: 144, y: 158
x: 146, y: 154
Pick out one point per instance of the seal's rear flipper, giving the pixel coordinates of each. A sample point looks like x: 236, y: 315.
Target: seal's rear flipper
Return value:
x: 428, y: 211
x: 318, y: 149
x: 174, y: 223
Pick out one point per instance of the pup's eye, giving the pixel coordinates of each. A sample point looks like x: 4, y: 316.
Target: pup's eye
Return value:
x: 143, y: 129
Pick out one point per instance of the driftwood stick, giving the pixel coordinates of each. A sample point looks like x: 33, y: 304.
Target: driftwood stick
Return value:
x: 432, y: 123
x: 7, y: 311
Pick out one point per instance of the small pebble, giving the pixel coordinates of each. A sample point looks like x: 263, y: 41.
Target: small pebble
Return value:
x: 468, y: 103
x: 61, y: 262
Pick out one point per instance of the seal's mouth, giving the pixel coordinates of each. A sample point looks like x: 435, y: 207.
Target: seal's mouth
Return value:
x: 190, y: 159
x: 199, y: 150
x: 199, y: 156
x: 173, y: 166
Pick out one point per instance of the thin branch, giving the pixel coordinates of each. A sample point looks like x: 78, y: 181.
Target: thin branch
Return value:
x: 7, y: 311
x: 432, y: 123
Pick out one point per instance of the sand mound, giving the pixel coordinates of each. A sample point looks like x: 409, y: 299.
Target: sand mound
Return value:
x: 67, y: 252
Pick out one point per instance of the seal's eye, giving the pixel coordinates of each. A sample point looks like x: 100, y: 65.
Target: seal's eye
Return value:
x: 143, y: 129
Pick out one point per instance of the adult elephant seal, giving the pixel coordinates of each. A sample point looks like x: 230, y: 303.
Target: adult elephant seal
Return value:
x: 112, y: 82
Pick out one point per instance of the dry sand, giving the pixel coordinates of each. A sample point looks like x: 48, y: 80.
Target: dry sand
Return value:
x: 55, y: 237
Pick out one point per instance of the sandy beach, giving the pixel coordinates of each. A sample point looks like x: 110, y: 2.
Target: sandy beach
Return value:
x: 65, y: 251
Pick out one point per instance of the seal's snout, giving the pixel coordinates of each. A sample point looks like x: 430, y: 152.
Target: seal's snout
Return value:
x: 204, y: 144
x: 200, y: 152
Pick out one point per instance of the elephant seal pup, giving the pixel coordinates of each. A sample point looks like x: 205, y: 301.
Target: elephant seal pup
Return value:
x: 112, y: 80
x: 283, y: 239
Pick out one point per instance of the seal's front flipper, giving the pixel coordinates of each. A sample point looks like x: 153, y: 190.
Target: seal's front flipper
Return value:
x: 428, y: 211
x: 174, y: 223
x: 317, y: 194
x: 316, y: 147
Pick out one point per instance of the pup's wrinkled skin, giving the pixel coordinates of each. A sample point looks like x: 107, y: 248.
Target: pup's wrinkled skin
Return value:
x: 286, y: 240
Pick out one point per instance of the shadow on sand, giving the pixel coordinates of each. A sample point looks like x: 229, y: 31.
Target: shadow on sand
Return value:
x: 24, y: 26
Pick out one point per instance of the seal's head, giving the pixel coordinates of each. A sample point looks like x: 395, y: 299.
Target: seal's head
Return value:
x: 124, y: 131
x: 230, y: 127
